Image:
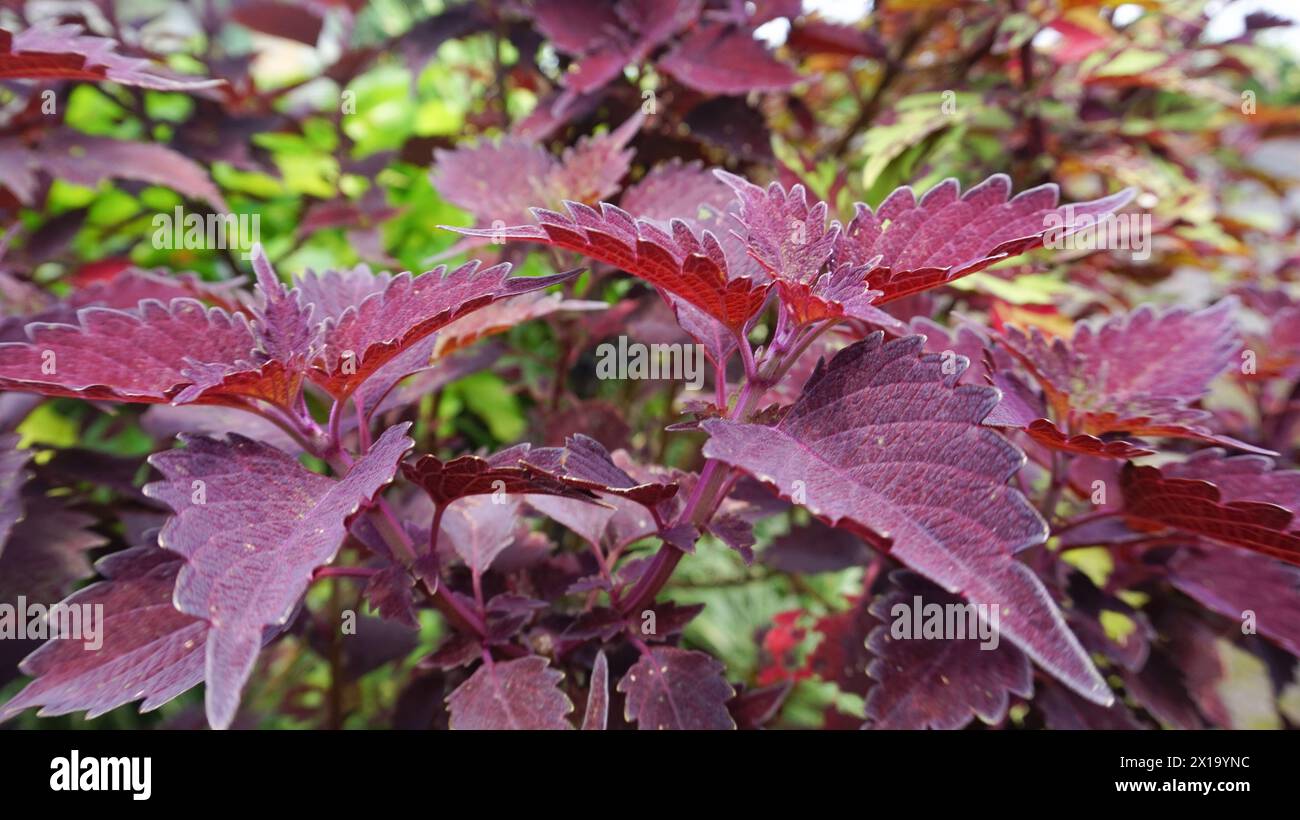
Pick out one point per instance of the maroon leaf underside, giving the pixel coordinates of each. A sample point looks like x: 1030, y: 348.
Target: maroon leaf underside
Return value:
x: 253, y: 525
x: 1246, y: 510
x: 886, y: 445
x: 520, y: 694
x: 500, y: 473
x: 693, y: 269
x: 1048, y: 434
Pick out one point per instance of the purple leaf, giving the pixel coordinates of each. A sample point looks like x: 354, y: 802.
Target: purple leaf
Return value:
x: 911, y: 246
x: 13, y: 475
x: 499, y: 183
x: 596, y: 716
x: 815, y: 548
x: 886, y: 445
x: 1232, y: 582
x: 365, y: 337
x: 672, y: 688
x: 253, y: 525
x: 47, y: 552
x: 88, y: 160
x: 1137, y: 373
x: 1063, y: 709
x: 936, y: 683
x: 62, y: 51
x: 150, y: 649
x: 721, y: 59
x: 480, y: 530
x: 518, y: 694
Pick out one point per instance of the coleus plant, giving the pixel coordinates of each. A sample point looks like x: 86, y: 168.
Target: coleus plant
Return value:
x: 883, y: 441
x: 976, y: 464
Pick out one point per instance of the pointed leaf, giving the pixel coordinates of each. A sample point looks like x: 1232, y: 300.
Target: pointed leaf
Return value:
x: 913, y: 245
x: 1189, y: 500
x: 150, y: 649
x: 366, y: 337
x: 886, y: 445
x: 696, y: 270
x: 1137, y: 373
x: 62, y: 51
x: 596, y: 716
x: 253, y: 525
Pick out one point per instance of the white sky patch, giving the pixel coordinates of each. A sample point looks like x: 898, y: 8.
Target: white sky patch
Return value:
x: 1228, y: 20
x: 839, y: 11
x: 773, y: 32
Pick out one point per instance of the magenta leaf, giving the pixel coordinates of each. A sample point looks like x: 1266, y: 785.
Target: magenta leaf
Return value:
x: 673, y: 688
x: 676, y: 190
x: 366, y: 336
x: 886, y: 445
x: 13, y: 475
x: 1137, y: 373
x: 155, y: 353
x: 63, y: 52
x: 518, y: 694
x: 722, y: 59
x: 1232, y: 582
x: 499, y: 183
x: 693, y: 269
x: 911, y: 246
x: 150, y: 649
x: 938, y: 682
x: 253, y: 525
x: 596, y: 716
